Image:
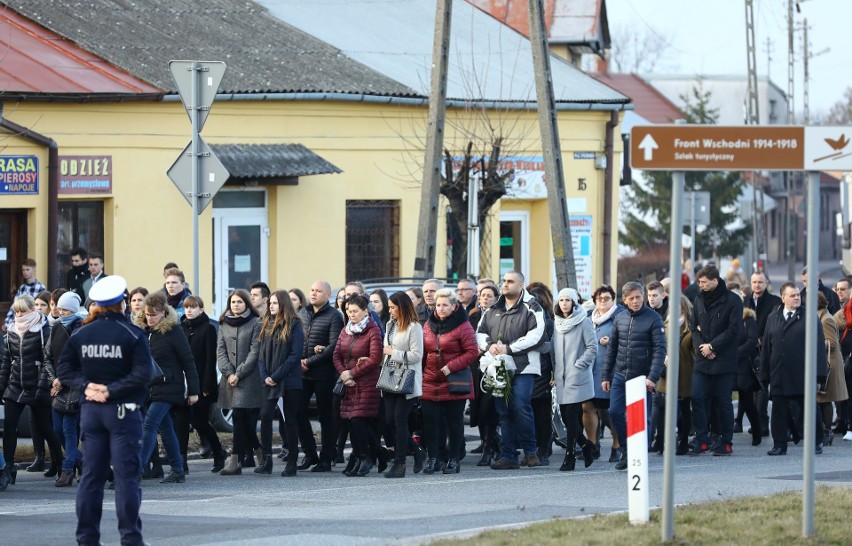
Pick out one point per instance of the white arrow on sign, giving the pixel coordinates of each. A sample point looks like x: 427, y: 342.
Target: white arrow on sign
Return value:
x: 648, y: 144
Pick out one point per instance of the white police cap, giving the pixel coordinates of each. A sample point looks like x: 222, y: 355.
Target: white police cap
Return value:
x: 108, y: 291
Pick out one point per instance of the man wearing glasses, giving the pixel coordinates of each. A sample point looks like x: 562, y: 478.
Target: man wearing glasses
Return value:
x: 466, y: 290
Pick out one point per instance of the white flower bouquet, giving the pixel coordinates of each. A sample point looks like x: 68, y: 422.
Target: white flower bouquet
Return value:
x: 497, y: 372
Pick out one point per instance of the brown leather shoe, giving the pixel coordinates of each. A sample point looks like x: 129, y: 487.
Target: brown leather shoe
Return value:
x: 504, y: 464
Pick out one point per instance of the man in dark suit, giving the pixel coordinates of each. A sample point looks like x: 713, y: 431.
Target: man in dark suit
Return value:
x: 782, y: 365
x: 832, y: 298
x: 762, y: 303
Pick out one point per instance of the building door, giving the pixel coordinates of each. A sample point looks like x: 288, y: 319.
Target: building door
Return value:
x: 240, y: 243
x: 13, y: 241
x: 515, y: 242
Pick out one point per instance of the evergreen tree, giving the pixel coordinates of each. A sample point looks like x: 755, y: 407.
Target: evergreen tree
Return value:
x: 647, y: 203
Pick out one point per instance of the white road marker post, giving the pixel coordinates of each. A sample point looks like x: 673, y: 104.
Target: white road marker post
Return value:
x: 637, y: 451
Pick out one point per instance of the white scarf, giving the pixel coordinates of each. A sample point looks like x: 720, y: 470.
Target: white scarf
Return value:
x: 598, y: 318
x: 564, y: 324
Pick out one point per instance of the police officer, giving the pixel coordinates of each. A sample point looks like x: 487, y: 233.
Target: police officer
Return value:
x: 109, y: 360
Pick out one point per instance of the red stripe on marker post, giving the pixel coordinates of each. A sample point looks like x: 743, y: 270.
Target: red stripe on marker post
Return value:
x: 636, y: 417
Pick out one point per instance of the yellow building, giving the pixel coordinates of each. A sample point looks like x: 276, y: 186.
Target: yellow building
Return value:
x: 331, y: 187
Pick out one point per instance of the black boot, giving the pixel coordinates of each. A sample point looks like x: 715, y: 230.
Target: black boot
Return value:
x: 5, y: 478
x: 429, y: 467
x: 65, y: 479
x: 266, y: 466
x: 219, y: 460
x: 38, y: 464
x: 54, y: 470
x: 365, y: 467
x: 419, y: 459
x: 569, y: 462
x: 383, y: 459
x: 153, y: 472
x: 351, y: 466
x: 487, y: 456
x: 452, y: 467
x: 248, y: 460
x: 588, y: 453
x: 396, y: 470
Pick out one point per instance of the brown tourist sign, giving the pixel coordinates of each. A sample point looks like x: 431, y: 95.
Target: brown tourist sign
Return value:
x: 740, y: 148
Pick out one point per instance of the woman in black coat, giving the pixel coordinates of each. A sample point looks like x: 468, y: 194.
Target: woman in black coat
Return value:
x: 24, y: 380
x: 747, y: 383
x: 201, y: 335
x: 282, y: 340
x: 178, y: 385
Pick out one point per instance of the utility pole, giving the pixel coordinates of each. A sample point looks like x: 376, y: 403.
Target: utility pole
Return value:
x: 753, y: 118
x: 560, y: 225
x: 427, y: 228
x: 791, y: 228
x: 805, y: 109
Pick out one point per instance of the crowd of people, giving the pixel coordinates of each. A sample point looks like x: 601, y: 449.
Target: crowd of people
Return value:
x: 395, y: 375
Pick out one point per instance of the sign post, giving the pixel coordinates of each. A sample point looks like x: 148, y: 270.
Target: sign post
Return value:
x: 637, y: 450
x: 197, y: 172
x: 746, y: 148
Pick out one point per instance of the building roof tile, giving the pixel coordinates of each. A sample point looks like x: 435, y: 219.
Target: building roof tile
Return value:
x: 271, y: 160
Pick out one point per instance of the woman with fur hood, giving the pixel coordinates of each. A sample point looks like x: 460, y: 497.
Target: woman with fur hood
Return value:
x: 574, y: 350
x: 177, y: 386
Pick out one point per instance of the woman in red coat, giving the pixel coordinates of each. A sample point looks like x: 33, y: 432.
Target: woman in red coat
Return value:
x: 449, y: 345
x: 357, y: 357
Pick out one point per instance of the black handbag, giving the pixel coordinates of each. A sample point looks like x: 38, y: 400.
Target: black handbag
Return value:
x: 339, y: 388
x: 457, y: 382
x: 67, y: 400
x: 157, y: 374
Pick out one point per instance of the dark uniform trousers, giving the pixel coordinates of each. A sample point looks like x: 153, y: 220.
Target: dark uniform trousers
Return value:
x: 110, y: 438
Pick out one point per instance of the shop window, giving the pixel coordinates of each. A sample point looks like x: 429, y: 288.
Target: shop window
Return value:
x: 372, y: 239
x: 81, y: 224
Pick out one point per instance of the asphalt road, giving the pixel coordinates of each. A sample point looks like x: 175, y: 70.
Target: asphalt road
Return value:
x: 326, y: 509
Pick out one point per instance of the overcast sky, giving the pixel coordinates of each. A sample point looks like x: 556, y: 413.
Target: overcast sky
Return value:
x: 708, y: 37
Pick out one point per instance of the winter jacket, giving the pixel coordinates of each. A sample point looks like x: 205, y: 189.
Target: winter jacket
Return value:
x: 541, y: 384
x: 602, y: 330
x: 747, y: 354
x: 574, y: 355
x: 408, y: 347
x: 202, y: 342
x: 320, y: 328
x: 457, y: 341
x: 762, y: 309
x: 637, y: 345
x: 281, y: 362
x: 520, y: 328
x: 717, y: 319
x: 237, y: 353
x: 686, y: 359
x: 110, y: 351
x: 170, y: 350
x: 363, y: 399
x: 836, y: 388
x: 830, y: 296
x: 59, y: 335
x: 782, y: 358
x: 74, y: 279
x: 23, y: 376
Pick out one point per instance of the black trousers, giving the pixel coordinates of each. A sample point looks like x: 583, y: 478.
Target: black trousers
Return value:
x: 781, y: 415
x: 747, y: 406
x: 43, y: 420
x: 543, y: 420
x: 322, y: 390
x: 572, y: 417
x: 245, y: 430
x: 365, y: 441
x: 200, y: 418
x: 397, y: 409
x: 684, y: 423
x: 439, y: 416
x: 293, y: 406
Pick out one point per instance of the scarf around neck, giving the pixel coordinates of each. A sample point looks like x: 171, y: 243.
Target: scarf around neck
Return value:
x: 239, y: 320
x: 353, y: 328
x: 564, y: 324
x: 598, y: 318
x: 28, y: 322
x: 174, y: 301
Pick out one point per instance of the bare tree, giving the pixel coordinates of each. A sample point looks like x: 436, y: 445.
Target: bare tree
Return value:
x: 841, y: 112
x: 636, y: 51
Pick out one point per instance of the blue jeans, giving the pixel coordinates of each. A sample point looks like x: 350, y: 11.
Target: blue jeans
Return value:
x: 2, y: 460
x: 158, y: 418
x: 618, y: 409
x: 65, y: 426
x: 516, y: 420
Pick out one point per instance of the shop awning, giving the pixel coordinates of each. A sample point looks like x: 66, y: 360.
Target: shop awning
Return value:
x: 271, y: 163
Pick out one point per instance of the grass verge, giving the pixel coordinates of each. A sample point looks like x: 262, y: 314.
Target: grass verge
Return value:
x: 775, y: 519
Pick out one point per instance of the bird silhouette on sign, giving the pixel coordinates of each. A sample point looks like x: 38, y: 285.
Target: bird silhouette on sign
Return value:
x: 838, y: 143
